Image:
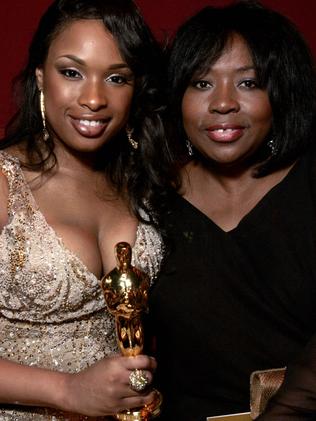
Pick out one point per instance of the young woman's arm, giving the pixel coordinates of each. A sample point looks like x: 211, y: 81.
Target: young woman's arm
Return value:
x: 101, y: 389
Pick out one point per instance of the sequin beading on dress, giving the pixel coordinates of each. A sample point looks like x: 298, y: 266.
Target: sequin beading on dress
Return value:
x: 52, y: 311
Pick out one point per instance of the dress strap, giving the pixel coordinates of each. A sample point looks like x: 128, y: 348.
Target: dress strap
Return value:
x: 20, y: 196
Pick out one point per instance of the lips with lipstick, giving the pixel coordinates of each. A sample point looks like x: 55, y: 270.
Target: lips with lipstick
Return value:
x: 225, y: 133
x: 90, y: 127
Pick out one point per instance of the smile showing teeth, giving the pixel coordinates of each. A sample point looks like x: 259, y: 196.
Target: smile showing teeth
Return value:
x: 225, y: 134
x: 91, y: 123
x: 223, y: 130
x: 90, y: 128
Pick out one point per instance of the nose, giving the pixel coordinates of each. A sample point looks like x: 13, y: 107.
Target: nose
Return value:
x: 93, y: 95
x: 224, y: 100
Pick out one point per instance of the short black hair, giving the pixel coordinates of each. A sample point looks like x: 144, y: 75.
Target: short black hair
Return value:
x: 139, y: 175
x: 283, y: 63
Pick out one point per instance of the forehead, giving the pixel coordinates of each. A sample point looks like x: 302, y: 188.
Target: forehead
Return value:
x: 86, y: 38
x: 236, y: 53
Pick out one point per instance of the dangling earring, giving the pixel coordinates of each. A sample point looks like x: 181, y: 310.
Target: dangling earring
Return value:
x: 42, y: 107
x: 188, y: 144
x: 132, y: 142
x: 272, y: 146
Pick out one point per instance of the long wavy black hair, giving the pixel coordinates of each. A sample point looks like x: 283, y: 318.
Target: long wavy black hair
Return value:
x: 140, y: 175
x: 283, y: 63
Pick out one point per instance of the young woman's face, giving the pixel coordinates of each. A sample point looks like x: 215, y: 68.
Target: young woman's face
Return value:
x: 88, y: 86
x: 225, y: 114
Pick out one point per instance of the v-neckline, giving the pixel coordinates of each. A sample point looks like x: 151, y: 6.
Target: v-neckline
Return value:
x: 253, y: 211
x: 59, y: 239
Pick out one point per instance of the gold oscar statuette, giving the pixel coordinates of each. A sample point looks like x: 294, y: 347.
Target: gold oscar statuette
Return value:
x: 125, y: 291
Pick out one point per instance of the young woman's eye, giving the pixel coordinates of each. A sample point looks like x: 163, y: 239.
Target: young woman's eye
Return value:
x: 117, y: 79
x: 71, y: 73
x: 249, y: 83
x: 201, y: 84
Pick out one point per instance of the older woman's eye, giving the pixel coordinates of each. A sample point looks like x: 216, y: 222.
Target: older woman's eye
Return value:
x: 201, y: 84
x: 70, y: 73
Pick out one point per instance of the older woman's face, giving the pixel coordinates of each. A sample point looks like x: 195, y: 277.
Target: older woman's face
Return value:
x: 88, y: 86
x: 225, y: 114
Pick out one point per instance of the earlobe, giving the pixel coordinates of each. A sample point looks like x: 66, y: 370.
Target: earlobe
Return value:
x: 39, y: 78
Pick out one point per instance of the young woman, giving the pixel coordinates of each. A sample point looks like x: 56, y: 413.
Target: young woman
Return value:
x: 79, y: 173
x: 237, y: 291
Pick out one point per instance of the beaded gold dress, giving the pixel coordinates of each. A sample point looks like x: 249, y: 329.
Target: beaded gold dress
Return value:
x: 52, y: 311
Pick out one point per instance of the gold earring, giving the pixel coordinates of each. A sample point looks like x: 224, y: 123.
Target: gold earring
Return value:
x: 42, y: 107
x: 133, y: 143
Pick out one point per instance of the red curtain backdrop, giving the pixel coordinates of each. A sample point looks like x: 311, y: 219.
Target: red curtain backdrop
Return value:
x: 18, y: 18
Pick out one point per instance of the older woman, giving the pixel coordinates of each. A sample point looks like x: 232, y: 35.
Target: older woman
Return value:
x: 238, y: 288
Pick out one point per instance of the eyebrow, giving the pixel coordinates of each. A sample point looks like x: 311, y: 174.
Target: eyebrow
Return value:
x: 241, y: 69
x: 245, y: 68
x: 82, y: 62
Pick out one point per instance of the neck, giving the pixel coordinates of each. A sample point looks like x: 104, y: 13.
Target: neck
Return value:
x: 81, y: 163
x: 228, y: 177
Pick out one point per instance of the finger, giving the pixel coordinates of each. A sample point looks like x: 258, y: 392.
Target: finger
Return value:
x: 141, y: 362
x: 137, y: 401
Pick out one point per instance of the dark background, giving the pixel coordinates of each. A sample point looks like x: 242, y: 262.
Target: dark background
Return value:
x: 20, y: 17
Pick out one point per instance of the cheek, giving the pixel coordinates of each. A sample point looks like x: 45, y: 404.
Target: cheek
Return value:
x: 58, y: 96
x: 265, y: 114
x: 194, y: 109
x: 192, y: 123
x: 264, y: 122
x: 187, y: 106
x: 261, y: 111
x: 190, y: 112
x: 123, y: 103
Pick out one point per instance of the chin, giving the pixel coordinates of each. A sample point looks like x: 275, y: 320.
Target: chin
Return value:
x: 89, y: 145
x: 224, y: 159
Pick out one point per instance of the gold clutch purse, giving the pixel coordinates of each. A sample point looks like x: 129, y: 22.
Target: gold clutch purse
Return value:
x: 263, y: 385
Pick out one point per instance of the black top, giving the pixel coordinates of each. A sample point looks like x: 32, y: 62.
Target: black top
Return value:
x: 229, y: 303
